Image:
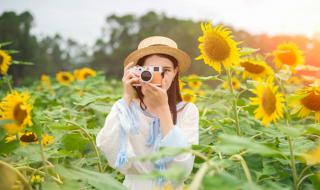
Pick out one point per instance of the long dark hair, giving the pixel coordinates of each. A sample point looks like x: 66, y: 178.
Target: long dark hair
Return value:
x: 174, y: 95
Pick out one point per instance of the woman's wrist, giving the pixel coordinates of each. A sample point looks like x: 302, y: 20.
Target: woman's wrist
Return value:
x: 166, y: 122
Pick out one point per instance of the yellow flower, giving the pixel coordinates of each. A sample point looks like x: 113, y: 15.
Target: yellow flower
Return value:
x: 10, y: 138
x: 64, y: 77
x: 16, y: 107
x: 269, y: 102
x: 28, y: 137
x: 188, y: 95
x: 5, y: 61
x: 288, y: 54
x: 309, y: 102
x: 255, y: 68
x: 218, y: 47
x: 45, y: 80
x: 36, y: 179
x: 312, y: 157
x: 235, y: 84
x: 82, y: 74
x: 181, y: 84
x: 193, y: 82
x: 47, y: 139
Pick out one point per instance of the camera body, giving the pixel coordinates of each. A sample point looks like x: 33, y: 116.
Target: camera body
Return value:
x: 151, y: 74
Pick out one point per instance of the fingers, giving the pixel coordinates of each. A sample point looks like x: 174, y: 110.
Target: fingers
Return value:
x: 132, y: 80
x: 128, y: 75
x: 128, y: 66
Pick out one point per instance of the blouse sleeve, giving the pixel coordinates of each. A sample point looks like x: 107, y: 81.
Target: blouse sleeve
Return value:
x: 109, y: 139
x: 183, y: 134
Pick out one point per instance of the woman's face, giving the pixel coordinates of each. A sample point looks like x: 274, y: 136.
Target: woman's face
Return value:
x: 168, y: 68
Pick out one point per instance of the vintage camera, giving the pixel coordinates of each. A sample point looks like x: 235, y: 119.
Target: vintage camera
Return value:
x: 152, y: 74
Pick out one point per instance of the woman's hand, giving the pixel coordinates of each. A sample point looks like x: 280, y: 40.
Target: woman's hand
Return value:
x: 155, y: 97
x: 127, y: 80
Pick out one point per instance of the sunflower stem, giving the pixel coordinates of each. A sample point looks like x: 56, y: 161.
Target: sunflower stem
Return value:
x: 234, y: 102
x: 43, y: 159
x: 291, y: 147
x: 9, y: 85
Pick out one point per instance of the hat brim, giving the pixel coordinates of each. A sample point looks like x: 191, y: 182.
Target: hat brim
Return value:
x: 183, y: 58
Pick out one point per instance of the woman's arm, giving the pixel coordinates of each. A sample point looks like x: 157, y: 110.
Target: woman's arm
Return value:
x: 183, y: 134
x: 110, y: 139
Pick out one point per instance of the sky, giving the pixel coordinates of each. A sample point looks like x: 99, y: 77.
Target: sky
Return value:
x: 82, y: 20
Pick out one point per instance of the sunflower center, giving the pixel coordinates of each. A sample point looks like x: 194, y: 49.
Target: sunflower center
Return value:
x: 66, y: 78
x: 268, y: 101
x: 187, y: 97
x: 19, y: 114
x: 288, y: 57
x: 86, y: 75
x: 312, y: 101
x: 252, y: 68
x: 216, y: 47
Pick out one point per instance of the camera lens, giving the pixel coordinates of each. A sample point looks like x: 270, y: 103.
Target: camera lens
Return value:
x: 146, y: 76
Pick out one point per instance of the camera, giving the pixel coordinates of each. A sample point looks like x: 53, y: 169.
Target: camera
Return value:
x: 152, y: 74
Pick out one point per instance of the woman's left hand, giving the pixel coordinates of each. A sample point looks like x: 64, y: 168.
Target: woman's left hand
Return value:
x: 155, y: 97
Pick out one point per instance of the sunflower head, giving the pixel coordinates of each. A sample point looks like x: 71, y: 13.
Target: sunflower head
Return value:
x: 193, y: 82
x: 312, y: 157
x: 188, y: 95
x: 309, y: 102
x: 269, y: 102
x: 255, y: 68
x: 47, y: 140
x: 64, y: 77
x: 5, y: 61
x: 28, y: 137
x: 45, y: 80
x: 235, y: 84
x: 16, y: 107
x: 181, y: 84
x: 217, y: 47
x: 82, y: 74
x: 288, y: 54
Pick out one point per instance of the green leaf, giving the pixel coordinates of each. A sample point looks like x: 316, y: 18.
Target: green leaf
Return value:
x: 97, y: 180
x: 15, y: 62
x: 233, y: 144
x: 247, y: 51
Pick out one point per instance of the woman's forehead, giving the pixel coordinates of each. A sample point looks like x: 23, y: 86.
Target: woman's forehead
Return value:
x: 155, y: 60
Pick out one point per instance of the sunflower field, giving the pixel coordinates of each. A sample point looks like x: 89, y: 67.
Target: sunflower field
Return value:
x: 259, y: 126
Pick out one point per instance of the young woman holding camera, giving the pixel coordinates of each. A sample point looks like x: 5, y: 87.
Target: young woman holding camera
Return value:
x: 150, y: 116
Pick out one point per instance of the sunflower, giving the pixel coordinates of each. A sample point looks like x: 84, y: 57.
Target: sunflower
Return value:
x: 309, y: 102
x: 255, y: 68
x: 64, y: 77
x: 16, y: 107
x: 181, y: 84
x: 235, y: 84
x: 5, y: 61
x: 312, y: 157
x: 36, y: 179
x: 45, y: 80
x: 288, y: 54
x: 188, y: 95
x: 193, y: 82
x: 217, y: 47
x: 47, y: 139
x: 269, y: 102
x: 82, y: 74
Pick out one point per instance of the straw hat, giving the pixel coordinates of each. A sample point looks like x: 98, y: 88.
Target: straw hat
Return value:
x: 163, y: 45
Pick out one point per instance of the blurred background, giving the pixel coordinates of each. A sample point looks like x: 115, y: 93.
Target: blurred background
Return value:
x: 65, y: 35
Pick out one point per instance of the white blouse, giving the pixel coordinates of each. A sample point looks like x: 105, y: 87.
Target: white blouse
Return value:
x: 130, y: 132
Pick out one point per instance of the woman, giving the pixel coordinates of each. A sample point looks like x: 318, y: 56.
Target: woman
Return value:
x: 149, y: 117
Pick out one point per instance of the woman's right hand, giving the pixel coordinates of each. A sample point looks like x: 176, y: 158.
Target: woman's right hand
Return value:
x: 127, y: 80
